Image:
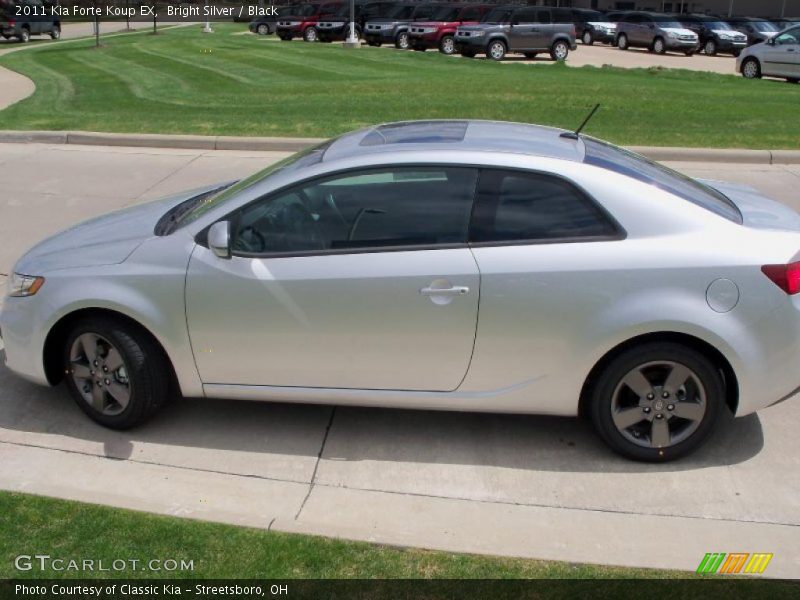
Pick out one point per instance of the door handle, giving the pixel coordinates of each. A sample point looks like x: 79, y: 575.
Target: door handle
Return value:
x: 451, y: 291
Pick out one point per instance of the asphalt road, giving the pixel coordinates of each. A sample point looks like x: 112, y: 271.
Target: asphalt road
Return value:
x: 502, y: 484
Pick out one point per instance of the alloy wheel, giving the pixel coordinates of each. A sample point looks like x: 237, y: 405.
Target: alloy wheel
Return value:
x: 658, y: 46
x: 497, y: 50
x: 750, y: 69
x: 402, y: 41
x: 263, y: 29
x: 310, y: 34
x: 560, y: 51
x: 658, y: 404
x: 99, y: 373
x: 588, y: 39
x: 448, y: 45
x: 711, y: 48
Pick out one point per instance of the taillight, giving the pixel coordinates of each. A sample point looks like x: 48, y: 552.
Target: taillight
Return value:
x: 786, y: 277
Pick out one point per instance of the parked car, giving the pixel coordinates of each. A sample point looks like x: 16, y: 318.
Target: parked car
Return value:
x: 657, y: 32
x: 787, y: 22
x: 777, y: 57
x: 756, y: 30
x: 350, y: 274
x: 440, y: 31
x: 264, y: 25
x: 302, y: 22
x: 524, y: 29
x: 715, y: 36
x: 336, y: 26
x: 593, y: 26
x: 393, y: 28
x: 23, y: 18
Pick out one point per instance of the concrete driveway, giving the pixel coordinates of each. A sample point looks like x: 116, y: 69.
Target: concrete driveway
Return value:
x: 509, y: 485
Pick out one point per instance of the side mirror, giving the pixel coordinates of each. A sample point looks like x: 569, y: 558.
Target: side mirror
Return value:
x: 219, y: 239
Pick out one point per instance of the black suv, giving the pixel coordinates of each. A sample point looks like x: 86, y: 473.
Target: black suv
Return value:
x: 23, y: 18
x: 715, y: 35
x: 336, y: 27
x: 756, y: 30
x: 393, y: 28
x: 593, y: 26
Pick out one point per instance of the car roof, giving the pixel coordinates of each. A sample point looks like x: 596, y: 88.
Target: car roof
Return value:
x: 437, y: 136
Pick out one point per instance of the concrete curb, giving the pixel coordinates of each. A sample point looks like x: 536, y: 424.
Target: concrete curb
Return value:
x: 289, y: 144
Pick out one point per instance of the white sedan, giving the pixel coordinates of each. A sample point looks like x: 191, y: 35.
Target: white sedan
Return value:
x: 777, y: 57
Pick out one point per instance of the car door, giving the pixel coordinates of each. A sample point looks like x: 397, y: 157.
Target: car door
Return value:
x: 524, y: 29
x: 540, y: 243
x: 544, y: 32
x: 361, y: 280
x: 782, y: 56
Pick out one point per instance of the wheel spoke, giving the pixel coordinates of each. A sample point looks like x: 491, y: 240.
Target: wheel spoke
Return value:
x: 659, y: 434
x: 638, y: 383
x: 80, y: 370
x: 120, y: 393
x: 98, y: 398
x: 689, y: 410
x: 676, y: 378
x: 89, y: 344
x: 627, y: 417
x: 114, y: 360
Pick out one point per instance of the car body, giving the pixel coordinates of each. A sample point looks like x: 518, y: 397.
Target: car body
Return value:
x: 756, y: 30
x: 336, y: 27
x: 264, y: 25
x: 21, y: 19
x: 440, y: 31
x: 393, y: 27
x: 716, y: 36
x: 593, y: 26
x: 514, y: 28
x: 350, y: 274
x: 777, y: 57
x: 302, y: 23
x: 657, y: 32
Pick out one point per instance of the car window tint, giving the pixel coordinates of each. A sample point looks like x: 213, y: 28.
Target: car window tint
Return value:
x: 543, y: 16
x: 390, y: 207
x: 619, y: 160
x: 789, y: 37
x: 469, y: 14
x: 515, y: 206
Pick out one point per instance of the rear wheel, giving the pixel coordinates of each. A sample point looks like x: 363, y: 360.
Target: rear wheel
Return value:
x: 447, y: 45
x: 116, y: 374
x: 659, y: 47
x: 622, y: 42
x: 587, y: 38
x: 262, y: 29
x: 710, y: 47
x: 657, y: 402
x: 401, y: 42
x: 24, y: 35
x: 496, y: 50
x: 55, y: 32
x: 559, y: 51
x: 751, y: 68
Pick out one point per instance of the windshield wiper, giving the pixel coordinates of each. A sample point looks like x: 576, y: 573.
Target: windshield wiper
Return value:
x: 173, y: 217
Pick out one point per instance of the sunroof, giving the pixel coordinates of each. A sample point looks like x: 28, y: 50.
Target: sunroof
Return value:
x: 418, y: 132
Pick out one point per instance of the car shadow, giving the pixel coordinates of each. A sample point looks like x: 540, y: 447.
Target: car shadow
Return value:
x: 534, y: 443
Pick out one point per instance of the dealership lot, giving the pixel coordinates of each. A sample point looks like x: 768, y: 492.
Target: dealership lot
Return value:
x: 519, y: 485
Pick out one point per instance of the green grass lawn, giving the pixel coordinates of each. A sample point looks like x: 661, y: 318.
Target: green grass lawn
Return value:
x: 184, y: 81
x: 35, y: 525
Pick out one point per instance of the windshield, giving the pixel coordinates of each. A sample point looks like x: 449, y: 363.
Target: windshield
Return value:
x: 299, y: 160
x: 303, y: 10
x: 668, y: 23
x: 764, y: 26
x: 619, y: 160
x: 594, y: 17
x: 400, y: 12
x: 718, y: 26
x: 497, y: 15
x: 342, y: 11
x: 445, y: 13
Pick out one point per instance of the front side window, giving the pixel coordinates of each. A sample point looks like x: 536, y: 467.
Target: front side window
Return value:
x: 790, y: 37
x: 375, y: 208
x: 498, y: 15
x: 515, y: 206
x: 543, y: 16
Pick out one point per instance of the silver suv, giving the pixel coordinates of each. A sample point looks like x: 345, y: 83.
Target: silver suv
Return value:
x: 657, y: 32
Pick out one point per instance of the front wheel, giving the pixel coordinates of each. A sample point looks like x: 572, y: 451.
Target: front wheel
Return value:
x: 310, y: 34
x: 657, y: 402
x: 659, y: 47
x: 559, y: 51
x: 402, y: 41
x: 496, y: 50
x: 55, y: 32
x: 587, y: 38
x: 117, y: 374
x: 447, y: 45
x: 710, y: 48
x: 24, y: 35
x: 622, y: 42
x: 751, y: 68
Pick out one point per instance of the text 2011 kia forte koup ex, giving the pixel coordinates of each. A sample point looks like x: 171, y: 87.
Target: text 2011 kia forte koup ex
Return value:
x: 458, y: 265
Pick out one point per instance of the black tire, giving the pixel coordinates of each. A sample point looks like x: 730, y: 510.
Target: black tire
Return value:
x: 496, y: 50
x: 559, y: 51
x: 587, y: 38
x: 55, y: 32
x: 659, y: 46
x: 710, y: 48
x: 24, y: 35
x: 447, y: 45
x: 148, y: 371
x: 401, y: 42
x: 310, y: 34
x: 751, y: 68
x: 622, y: 42
x: 262, y: 29
x: 610, y: 381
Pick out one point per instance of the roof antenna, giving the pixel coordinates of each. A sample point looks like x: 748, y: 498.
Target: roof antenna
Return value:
x: 576, y: 134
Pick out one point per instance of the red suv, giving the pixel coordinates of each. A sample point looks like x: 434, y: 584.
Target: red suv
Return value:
x: 302, y: 22
x: 440, y: 31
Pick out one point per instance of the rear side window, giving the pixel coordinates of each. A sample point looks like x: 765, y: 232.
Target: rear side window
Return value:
x: 619, y: 160
x: 543, y: 16
x: 515, y: 206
